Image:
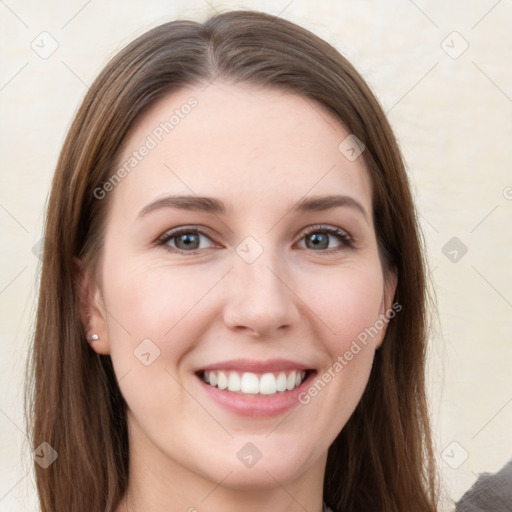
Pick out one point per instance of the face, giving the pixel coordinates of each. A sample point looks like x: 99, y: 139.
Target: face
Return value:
x: 238, y: 283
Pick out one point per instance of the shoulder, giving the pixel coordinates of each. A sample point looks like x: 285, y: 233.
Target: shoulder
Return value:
x: 490, y: 493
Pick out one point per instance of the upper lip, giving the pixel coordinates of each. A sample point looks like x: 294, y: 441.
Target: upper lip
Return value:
x: 251, y: 365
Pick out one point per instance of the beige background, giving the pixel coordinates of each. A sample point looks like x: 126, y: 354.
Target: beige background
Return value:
x: 451, y: 109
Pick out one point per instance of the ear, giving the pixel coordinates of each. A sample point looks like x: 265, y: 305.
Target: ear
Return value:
x: 92, y: 309
x: 387, y: 311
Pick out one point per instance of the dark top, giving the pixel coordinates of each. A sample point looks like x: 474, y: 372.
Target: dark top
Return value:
x: 492, y: 492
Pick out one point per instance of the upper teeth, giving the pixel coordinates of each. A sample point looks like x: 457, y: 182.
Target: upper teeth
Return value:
x: 266, y: 383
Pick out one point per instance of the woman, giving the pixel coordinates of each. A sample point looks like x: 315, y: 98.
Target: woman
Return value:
x: 232, y: 306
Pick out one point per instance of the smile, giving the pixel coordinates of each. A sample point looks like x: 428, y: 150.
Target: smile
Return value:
x: 255, y: 389
x: 251, y: 383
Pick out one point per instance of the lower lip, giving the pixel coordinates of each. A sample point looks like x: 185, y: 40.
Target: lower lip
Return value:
x: 256, y: 406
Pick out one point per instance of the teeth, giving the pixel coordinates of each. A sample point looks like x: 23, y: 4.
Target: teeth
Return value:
x: 281, y: 382
x: 234, y: 382
x: 268, y: 384
x: 290, y: 383
x: 222, y: 380
x: 251, y: 383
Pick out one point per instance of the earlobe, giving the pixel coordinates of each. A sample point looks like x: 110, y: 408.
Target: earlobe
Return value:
x: 387, y: 311
x: 92, y: 310
x: 390, y: 283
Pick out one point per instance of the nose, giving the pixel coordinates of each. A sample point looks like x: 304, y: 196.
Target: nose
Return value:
x: 260, y: 301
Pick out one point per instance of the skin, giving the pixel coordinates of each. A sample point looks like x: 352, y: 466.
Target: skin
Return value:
x: 259, y: 151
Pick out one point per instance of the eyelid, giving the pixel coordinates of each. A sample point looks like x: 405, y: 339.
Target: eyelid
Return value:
x: 328, y: 228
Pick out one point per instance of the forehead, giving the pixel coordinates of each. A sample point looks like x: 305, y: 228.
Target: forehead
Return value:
x: 252, y: 146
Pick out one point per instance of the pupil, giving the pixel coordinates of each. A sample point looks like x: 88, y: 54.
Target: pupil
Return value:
x: 188, y: 241
x: 318, y: 240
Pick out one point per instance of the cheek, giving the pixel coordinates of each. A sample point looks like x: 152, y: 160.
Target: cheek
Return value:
x: 348, y: 303
x: 149, y: 301
x: 156, y: 315
x: 154, y: 321
x: 349, y: 309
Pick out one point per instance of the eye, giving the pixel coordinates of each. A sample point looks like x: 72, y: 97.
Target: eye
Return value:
x: 326, y: 239
x: 192, y: 239
x: 186, y: 239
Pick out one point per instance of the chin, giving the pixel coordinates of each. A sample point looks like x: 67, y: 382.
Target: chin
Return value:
x: 253, y: 468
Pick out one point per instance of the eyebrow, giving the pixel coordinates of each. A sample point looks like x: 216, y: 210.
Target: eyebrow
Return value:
x: 216, y: 206
x: 194, y: 203
x: 322, y: 203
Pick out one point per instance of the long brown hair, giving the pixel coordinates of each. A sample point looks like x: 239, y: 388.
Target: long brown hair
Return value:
x: 383, y: 459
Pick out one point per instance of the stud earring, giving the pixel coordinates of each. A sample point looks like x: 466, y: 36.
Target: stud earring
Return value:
x: 94, y: 337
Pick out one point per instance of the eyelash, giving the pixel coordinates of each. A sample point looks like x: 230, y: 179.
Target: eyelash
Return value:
x: 346, y: 240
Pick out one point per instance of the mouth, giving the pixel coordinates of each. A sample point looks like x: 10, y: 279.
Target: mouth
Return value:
x: 250, y: 383
x: 255, y: 389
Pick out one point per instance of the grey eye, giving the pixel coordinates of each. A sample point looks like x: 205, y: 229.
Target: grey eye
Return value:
x: 317, y: 240
x: 187, y: 241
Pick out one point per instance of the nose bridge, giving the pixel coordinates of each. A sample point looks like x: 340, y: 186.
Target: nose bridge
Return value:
x: 259, y: 298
